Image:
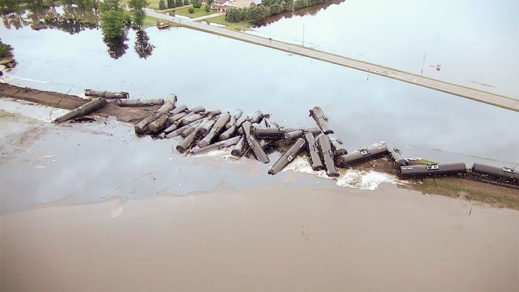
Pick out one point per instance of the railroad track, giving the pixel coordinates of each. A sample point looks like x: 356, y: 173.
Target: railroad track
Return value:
x: 480, y: 178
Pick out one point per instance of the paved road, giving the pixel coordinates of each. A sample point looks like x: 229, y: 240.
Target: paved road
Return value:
x: 206, y: 16
x: 482, y: 96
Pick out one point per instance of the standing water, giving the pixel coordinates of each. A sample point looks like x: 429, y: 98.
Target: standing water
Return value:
x: 468, y: 42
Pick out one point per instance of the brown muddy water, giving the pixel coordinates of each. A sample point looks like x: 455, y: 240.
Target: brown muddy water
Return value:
x: 275, y: 238
x: 89, y: 206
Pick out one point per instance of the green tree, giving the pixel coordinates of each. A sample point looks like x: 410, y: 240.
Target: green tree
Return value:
x: 162, y: 5
x: 276, y: 9
x: 191, y: 10
x: 179, y: 3
x: 5, y: 50
x: 113, y: 26
x: 112, y: 20
x: 110, y: 4
x: 207, y: 7
x: 186, y: 2
x: 288, y: 5
x: 171, y: 3
x: 9, y: 6
x: 256, y: 13
x: 233, y: 15
x: 197, y: 4
x: 300, y: 4
x: 137, y: 10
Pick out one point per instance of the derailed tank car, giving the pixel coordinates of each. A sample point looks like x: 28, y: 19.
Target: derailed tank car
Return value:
x: 394, y: 153
x: 360, y: 155
x: 419, y: 171
x: 506, y: 174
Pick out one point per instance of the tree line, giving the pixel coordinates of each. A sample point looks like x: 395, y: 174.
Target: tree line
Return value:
x: 172, y: 4
x: 168, y: 4
x: 268, y: 8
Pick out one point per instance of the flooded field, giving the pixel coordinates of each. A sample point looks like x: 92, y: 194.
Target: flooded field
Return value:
x: 272, y: 238
x: 466, y: 42
x: 90, y: 162
x: 363, y: 108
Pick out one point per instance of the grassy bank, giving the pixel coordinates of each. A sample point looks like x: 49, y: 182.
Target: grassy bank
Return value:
x: 150, y: 21
x: 184, y: 10
x: 154, y: 4
x: 469, y: 190
x: 4, y: 114
x: 238, y: 26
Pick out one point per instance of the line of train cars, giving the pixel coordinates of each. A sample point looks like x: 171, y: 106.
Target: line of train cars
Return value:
x: 406, y: 169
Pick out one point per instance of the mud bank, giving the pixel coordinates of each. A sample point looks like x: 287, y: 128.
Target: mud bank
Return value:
x: 69, y: 102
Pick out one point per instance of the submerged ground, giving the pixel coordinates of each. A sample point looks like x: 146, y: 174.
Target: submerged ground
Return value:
x: 90, y: 206
x: 269, y: 238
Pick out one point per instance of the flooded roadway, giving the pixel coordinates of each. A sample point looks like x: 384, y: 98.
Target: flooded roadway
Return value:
x: 472, y: 41
x: 370, y: 68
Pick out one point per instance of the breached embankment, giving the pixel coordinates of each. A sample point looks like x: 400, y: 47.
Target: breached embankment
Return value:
x: 363, y: 175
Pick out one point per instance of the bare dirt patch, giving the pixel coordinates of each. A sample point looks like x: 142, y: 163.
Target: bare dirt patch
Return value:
x: 66, y: 101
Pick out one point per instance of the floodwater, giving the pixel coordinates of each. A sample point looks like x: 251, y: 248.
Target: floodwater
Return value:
x: 91, y: 162
x: 474, y: 41
x: 275, y: 238
x: 204, y: 69
x: 239, y: 228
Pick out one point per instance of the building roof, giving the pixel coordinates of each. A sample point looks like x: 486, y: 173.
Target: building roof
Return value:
x: 220, y: 2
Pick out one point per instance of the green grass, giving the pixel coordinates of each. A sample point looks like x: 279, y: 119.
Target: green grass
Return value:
x: 150, y: 21
x: 425, y: 161
x: 240, y: 26
x: 183, y: 10
x: 6, y: 114
x: 155, y: 3
x: 198, y: 12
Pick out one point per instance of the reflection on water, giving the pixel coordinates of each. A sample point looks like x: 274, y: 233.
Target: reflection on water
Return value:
x: 70, y: 18
x: 142, y: 45
x: 75, y: 16
x: 312, y: 10
x: 116, y: 46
